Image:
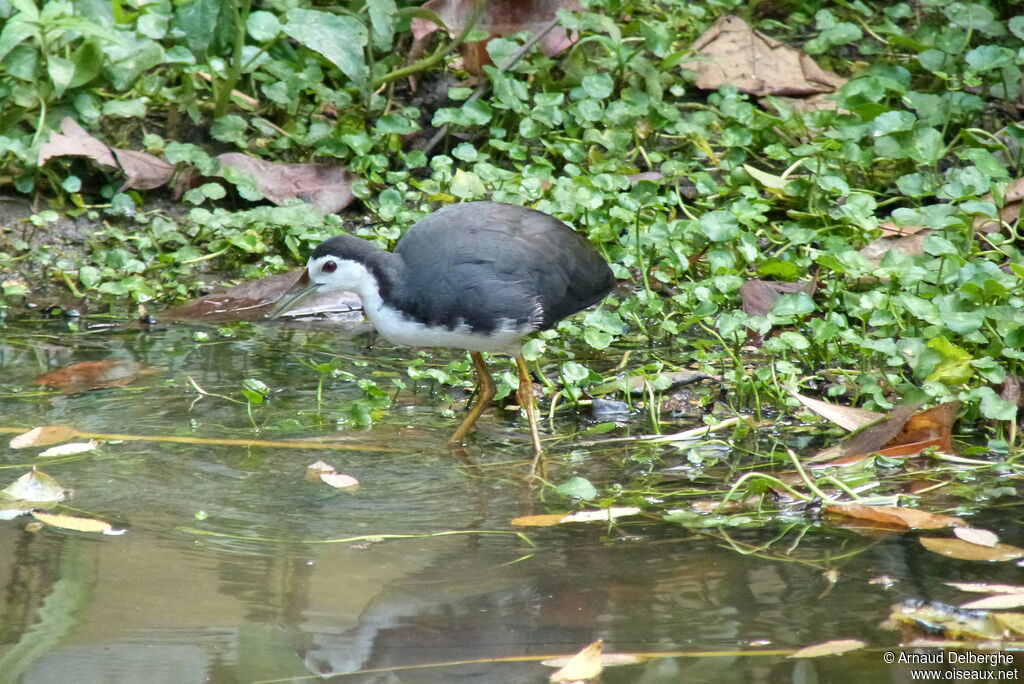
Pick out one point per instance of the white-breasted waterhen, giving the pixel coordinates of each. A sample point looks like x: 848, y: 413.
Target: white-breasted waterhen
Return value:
x: 478, y: 276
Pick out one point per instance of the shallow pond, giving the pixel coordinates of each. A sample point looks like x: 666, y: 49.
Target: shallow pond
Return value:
x: 234, y: 568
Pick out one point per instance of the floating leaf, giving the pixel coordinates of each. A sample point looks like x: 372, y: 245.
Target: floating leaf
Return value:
x: 43, y: 435
x: 996, y: 602
x: 71, y: 522
x: 976, y: 536
x: 847, y: 417
x: 35, y: 486
x: 542, y: 520
x: 577, y: 487
x: 583, y: 666
x: 70, y: 449
x: 958, y: 548
x: 983, y: 588
x: 602, y: 515
x: 90, y: 375
x: 911, y: 518
x: 339, y: 480
x: 834, y: 647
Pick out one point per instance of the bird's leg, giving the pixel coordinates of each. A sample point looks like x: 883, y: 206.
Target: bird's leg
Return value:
x: 527, y: 401
x: 485, y: 392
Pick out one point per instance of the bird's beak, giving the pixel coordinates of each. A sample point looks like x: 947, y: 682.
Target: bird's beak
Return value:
x: 297, y: 292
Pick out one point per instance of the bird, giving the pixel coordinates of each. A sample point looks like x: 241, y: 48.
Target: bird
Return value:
x: 478, y: 276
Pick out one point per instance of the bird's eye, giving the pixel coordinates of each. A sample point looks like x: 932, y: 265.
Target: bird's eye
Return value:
x: 329, y: 267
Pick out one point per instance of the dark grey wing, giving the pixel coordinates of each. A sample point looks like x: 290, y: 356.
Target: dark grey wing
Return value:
x: 489, y: 261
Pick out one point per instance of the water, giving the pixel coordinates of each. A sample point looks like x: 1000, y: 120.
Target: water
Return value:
x: 231, y: 570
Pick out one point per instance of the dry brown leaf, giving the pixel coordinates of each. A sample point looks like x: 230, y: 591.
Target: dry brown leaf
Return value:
x: 869, y: 439
x: 90, y: 375
x: 142, y: 171
x: 890, y: 229
x: 998, y: 602
x: 834, y: 647
x: 935, y: 423
x: 847, y: 417
x: 583, y: 666
x: 70, y: 449
x: 44, y: 435
x: 759, y: 296
x: 976, y: 536
x: 326, y: 186
x: 499, y: 18
x: 958, y: 548
x: 542, y: 520
x: 71, y: 522
x: 252, y: 301
x: 984, y: 588
x: 732, y: 52
x: 909, y: 244
x: 910, y: 518
x: 1010, y: 390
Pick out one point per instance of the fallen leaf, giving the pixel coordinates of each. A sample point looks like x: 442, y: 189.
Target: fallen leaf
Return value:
x: 834, y: 647
x: 890, y: 229
x: 253, y: 300
x: 998, y: 602
x: 142, y: 171
x: 70, y: 449
x: 43, y: 435
x: 935, y: 618
x: 339, y: 480
x: 71, y: 522
x: 935, y: 423
x: 910, y: 518
x: 984, y: 588
x: 958, y: 548
x: 602, y: 515
x: 870, y: 438
x: 326, y: 186
x: 90, y: 375
x: 583, y: 666
x: 542, y: 520
x: 36, y: 486
x: 976, y: 536
x: 910, y: 245
x: 499, y: 18
x: 732, y: 52
x: 607, y: 660
x: 847, y: 417
x: 759, y: 296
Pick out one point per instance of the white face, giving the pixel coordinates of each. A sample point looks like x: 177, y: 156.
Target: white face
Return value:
x: 339, y: 275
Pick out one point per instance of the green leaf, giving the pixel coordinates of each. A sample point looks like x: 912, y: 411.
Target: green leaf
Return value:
x: 88, y: 60
x: 197, y: 20
x: 382, y: 22
x: 263, y: 26
x: 994, y: 407
x: 955, y: 366
x: 14, y: 32
x: 466, y: 185
x: 578, y: 488
x: 339, y: 39
x: 61, y: 71
x: 719, y: 225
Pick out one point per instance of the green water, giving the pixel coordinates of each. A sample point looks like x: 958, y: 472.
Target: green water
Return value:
x: 272, y: 598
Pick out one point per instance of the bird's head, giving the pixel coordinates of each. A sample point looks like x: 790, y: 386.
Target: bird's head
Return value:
x: 336, y: 265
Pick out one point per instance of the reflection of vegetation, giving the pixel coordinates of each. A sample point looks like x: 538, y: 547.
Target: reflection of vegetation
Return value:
x: 47, y: 613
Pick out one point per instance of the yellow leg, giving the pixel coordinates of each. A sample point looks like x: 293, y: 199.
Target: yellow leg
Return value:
x: 485, y: 392
x: 527, y: 401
